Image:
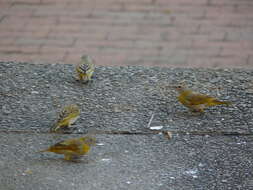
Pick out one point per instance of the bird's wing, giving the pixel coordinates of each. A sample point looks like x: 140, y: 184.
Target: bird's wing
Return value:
x: 67, y: 112
x: 63, y: 114
x: 65, y: 145
x: 197, y: 99
x: 84, y: 67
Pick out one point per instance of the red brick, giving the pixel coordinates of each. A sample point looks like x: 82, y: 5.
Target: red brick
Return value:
x: 21, y: 10
x: 26, y: 2
x: 105, y: 45
x: 5, y: 6
x: 218, y: 62
x: 53, y: 2
x: 11, y: 57
x: 9, y: 49
x: 48, y: 57
x: 218, y: 11
x: 79, y: 36
x: 245, y: 9
x: 231, y: 45
x: 12, y: 49
x: 229, y: 52
x: 129, y: 32
x: 216, y: 36
x: 41, y: 21
x: 223, y: 3
x: 12, y: 23
x: 229, y: 62
x: 100, y: 59
x: 6, y: 41
x: 250, y: 61
x: 182, y: 2
x: 36, y: 32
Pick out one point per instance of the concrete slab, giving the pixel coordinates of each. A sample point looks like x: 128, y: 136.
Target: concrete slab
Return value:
x: 129, y: 162
x: 122, y: 98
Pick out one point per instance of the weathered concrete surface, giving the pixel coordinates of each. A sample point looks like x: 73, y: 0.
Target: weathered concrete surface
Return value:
x: 129, y: 162
x: 123, y: 99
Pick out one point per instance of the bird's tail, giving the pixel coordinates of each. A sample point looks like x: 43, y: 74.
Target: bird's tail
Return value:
x: 46, y: 150
x: 218, y: 102
x: 54, y: 128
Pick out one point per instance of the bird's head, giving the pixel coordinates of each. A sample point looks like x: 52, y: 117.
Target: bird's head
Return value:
x: 178, y: 87
x: 86, y: 58
x: 181, y: 86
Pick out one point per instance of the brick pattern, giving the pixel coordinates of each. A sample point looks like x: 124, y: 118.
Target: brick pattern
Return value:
x: 172, y: 33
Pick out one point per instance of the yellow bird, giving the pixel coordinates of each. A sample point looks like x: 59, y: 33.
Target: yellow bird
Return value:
x: 72, y: 148
x: 85, y: 68
x: 196, y: 102
x: 68, y: 115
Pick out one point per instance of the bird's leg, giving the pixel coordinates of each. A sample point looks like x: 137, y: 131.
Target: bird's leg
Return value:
x: 72, y: 158
x: 89, y: 77
x: 78, y: 77
x: 197, y: 110
x: 68, y: 157
x: 55, y: 127
x: 68, y: 125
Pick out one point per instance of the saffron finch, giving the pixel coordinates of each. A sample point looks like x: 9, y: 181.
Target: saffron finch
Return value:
x: 72, y: 148
x: 67, y: 116
x: 85, y: 68
x: 196, y: 102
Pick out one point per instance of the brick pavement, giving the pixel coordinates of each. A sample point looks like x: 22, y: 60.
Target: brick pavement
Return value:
x: 177, y: 33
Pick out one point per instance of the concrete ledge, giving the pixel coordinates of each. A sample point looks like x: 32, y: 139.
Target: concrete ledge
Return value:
x: 212, y: 151
x: 129, y: 162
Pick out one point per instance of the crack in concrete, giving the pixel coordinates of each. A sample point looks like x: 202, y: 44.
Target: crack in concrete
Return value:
x: 194, y: 133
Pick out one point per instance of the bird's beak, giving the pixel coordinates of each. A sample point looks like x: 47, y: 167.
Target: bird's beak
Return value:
x: 172, y: 87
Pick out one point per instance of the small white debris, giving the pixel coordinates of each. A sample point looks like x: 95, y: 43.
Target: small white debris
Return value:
x: 243, y: 143
x: 168, y: 135
x: 150, y: 121
x: 192, y: 172
x: 27, y: 172
x: 106, y: 159
x: 100, y: 144
x: 34, y: 92
x: 128, y: 182
x: 156, y: 127
x: 171, y: 177
x: 6, y: 110
x: 79, y: 130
